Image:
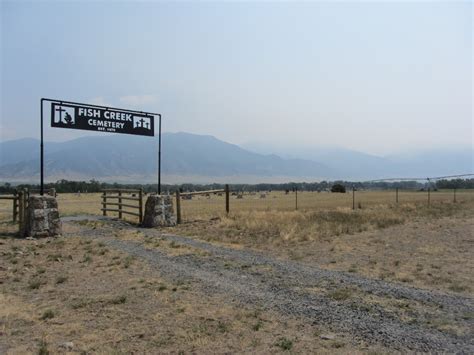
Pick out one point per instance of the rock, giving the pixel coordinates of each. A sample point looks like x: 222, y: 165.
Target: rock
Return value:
x: 68, y: 345
x: 159, y: 212
x: 42, y: 217
x: 327, y: 336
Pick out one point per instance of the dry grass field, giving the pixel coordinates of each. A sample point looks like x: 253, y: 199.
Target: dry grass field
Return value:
x: 423, y: 246
x: 81, y: 293
x: 204, y: 208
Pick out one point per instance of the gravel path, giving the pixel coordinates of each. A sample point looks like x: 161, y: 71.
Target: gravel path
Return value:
x: 253, y: 278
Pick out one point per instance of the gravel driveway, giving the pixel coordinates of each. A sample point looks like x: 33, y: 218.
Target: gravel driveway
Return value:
x: 307, y: 292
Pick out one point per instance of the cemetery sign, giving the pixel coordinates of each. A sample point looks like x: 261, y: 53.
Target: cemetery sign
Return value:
x: 89, y: 117
x: 101, y: 119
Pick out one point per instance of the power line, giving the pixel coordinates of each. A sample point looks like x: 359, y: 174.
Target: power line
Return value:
x: 421, y: 178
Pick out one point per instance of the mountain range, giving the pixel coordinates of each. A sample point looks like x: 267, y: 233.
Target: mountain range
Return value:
x: 203, y: 159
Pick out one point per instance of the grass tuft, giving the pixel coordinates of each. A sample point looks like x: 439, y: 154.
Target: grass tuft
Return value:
x: 48, y: 314
x: 340, y: 294
x: 284, y: 343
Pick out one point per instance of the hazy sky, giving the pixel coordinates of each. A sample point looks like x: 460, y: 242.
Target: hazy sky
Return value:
x: 376, y: 77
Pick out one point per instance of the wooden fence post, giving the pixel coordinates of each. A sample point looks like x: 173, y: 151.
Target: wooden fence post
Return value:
x: 454, y: 198
x: 120, y: 204
x: 178, y: 207
x: 227, y: 204
x: 397, y: 194
x: 20, y: 209
x: 22, y: 205
x: 353, y: 198
x: 296, y: 198
x: 140, y: 204
x: 429, y: 196
x: 104, y: 203
x: 15, y: 205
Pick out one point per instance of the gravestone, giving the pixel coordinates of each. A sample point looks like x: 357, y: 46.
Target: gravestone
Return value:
x: 159, y: 212
x: 42, y: 217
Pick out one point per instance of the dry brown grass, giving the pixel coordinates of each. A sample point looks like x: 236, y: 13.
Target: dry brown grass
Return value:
x: 273, y: 226
x: 409, y: 243
x: 204, y: 208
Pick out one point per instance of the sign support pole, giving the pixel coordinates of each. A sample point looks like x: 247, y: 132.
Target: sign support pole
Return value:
x: 42, y: 152
x: 159, y: 155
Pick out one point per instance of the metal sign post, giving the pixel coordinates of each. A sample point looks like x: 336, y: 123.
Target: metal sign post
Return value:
x: 75, y: 115
x: 159, y: 155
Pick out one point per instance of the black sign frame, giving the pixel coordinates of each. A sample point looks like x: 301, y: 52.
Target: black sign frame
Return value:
x: 124, y: 121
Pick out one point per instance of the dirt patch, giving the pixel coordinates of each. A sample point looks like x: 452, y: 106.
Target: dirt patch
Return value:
x: 82, y: 295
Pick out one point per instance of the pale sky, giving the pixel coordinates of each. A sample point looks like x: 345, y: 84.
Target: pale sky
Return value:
x: 376, y: 77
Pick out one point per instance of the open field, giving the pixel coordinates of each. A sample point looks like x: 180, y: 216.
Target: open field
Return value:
x: 265, y: 278
x: 428, y: 247
x: 83, y: 295
x: 201, y: 207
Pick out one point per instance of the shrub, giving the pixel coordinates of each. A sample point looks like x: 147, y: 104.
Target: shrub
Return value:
x: 338, y: 188
x: 284, y: 344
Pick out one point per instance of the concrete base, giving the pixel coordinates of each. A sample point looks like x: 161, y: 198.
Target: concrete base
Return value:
x: 159, y: 212
x: 42, y: 217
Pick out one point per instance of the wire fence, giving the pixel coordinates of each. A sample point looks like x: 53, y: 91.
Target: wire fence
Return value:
x: 212, y: 204
x: 208, y: 207
x: 357, y: 196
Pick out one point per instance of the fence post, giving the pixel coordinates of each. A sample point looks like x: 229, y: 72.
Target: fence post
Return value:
x: 353, y: 197
x: 140, y: 205
x: 454, y: 198
x: 296, y: 198
x: 178, y: 207
x: 20, y: 209
x: 104, y: 203
x: 397, y: 195
x: 227, y: 204
x: 120, y: 204
x: 15, y: 205
x: 429, y: 196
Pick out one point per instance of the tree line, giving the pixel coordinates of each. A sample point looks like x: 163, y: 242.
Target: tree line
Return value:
x: 66, y: 186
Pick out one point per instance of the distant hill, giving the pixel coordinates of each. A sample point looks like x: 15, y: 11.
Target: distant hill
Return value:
x: 353, y: 165
x: 205, y: 159
x: 185, y: 157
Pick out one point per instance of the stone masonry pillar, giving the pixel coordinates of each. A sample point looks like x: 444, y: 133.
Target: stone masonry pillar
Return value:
x: 42, y: 217
x: 159, y: 212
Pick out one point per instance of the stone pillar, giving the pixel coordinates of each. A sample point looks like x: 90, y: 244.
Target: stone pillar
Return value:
x: 159, y: 212
x: 42, y: 217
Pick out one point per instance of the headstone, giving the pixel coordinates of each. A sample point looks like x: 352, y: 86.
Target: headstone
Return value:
x: 42, y: 217
x: 159, y: 212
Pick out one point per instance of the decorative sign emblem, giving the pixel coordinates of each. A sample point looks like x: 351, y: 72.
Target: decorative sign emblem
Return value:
x: 101, y: 119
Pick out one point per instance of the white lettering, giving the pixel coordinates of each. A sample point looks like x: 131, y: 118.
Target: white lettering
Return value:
x: 100, y: 124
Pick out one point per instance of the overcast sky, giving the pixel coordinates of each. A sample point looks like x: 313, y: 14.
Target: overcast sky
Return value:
x: 376, y: 77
